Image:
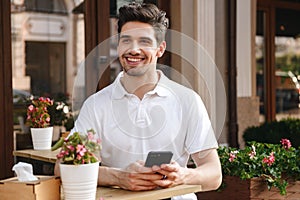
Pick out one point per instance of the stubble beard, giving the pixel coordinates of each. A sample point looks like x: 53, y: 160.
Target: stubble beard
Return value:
x: 136, y: 71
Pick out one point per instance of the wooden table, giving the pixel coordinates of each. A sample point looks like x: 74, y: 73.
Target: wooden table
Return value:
x: 41, y: 155
x: 113, y: 193
x: 108, y: 193
x: 43, y: 161
x: 51, y: 185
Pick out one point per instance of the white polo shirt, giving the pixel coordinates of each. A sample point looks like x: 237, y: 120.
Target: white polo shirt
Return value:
x: 171, y: 117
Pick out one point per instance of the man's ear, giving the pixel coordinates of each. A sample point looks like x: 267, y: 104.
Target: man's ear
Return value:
x: 161, y: 49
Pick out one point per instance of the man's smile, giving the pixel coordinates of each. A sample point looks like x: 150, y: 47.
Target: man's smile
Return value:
x: 134, y: 60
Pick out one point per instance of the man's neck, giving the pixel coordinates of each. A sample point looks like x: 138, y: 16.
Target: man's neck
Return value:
x: 140, y: 85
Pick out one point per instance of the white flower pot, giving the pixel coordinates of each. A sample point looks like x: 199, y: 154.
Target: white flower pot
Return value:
x: 42, y: 138
x: 79, y: 181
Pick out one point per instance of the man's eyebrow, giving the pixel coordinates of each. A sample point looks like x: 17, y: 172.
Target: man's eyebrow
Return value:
x: 146, y: 38
x: 124, y: 36
x: 128, y: 36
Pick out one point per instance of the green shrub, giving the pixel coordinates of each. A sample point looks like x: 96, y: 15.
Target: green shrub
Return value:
x: 275, y: 163
x: 273, y: 132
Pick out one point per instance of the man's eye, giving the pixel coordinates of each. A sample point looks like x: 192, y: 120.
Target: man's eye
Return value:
x: 145, y: 41
x: 125, y: 41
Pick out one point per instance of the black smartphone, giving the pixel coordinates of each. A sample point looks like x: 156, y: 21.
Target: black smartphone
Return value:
x: 158, y: 158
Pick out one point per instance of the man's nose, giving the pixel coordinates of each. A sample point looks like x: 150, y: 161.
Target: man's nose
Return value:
x: 135, y: 48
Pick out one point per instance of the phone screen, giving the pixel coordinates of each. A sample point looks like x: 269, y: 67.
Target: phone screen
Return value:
x: 158, y: 158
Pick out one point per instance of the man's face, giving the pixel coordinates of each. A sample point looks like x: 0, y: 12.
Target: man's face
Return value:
x: 138, y: 49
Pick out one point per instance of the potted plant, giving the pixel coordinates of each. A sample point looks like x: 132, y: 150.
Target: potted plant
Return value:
x: 61, y: 118
x: 264, y: 169
x: 79, y: 165
x: 38, y: 119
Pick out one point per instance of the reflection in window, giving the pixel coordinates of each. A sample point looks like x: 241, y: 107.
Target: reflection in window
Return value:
x: 287, y: 59
x: 49, y: 6
x: 286, y: 76
x: 260, y: 64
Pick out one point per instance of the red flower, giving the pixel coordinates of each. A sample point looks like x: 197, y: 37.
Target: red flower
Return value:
x: 70, y: 147
x: 30, y: 108
x: 37, y: 113
x: 270, y: 159
x: 80, y: 149
x: 286, y: 143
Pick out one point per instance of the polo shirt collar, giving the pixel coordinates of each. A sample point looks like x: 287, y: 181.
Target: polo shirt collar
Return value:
x: 161, y: 90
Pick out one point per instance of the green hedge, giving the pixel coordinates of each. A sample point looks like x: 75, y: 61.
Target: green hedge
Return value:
x: 273, y: 132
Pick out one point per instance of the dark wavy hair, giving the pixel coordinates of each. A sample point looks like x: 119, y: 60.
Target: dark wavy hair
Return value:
x: 147, y: 13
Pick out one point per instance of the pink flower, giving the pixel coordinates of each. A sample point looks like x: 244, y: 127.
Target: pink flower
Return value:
x: 232, y: 156
x: 270, y: 159
x: 37, y: 113
x: 31, y: 108
x: 286, y: 143
x: 80, y: 149
x: 78, y: 157
x: 60, y: 155
x: 71, y: 147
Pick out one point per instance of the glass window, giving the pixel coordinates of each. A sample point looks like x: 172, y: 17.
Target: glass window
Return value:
x: 46, y: 52
x: 287, y: 63
x: 260, y: 64
x: 49, y: 6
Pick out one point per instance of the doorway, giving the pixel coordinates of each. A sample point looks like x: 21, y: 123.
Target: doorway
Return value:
x: 278, y: 59
x: 47, y: 73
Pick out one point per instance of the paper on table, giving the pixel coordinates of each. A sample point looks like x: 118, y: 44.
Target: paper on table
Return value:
x: 24, y: 172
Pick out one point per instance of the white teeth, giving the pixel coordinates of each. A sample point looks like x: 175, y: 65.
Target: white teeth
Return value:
x: 134, y: 59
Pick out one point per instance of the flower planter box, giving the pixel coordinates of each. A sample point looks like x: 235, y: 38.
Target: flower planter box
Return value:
x: 254, y: 189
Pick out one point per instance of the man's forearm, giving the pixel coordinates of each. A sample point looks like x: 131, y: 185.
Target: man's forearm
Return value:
x: 108, y: 176
x: 208, y: 176
x: 208, y: 172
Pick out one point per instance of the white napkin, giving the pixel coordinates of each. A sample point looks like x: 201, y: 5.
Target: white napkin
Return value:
x: 24, y: 172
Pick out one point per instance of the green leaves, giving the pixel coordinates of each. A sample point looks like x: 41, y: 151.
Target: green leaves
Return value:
x: 273, y: 162
x: 78, y: 148
x: 37, y: 113
x: 58, y: 144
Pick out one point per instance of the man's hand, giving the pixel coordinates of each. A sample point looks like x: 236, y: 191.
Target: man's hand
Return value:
x: 136, y: 177
x: 208, y: 172
x: 171, y: 174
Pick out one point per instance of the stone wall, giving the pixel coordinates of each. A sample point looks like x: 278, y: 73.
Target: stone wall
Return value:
x: 248, y: 115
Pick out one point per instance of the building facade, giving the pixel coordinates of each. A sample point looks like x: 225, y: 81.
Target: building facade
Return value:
x: 241, y: 56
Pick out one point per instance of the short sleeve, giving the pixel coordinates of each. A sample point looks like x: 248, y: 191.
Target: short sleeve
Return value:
x: 200, y: 134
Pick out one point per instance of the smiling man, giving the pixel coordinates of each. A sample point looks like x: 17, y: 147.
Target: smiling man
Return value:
x: 144, y: 111
x: 138, y: 53
x: 138, y: 49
